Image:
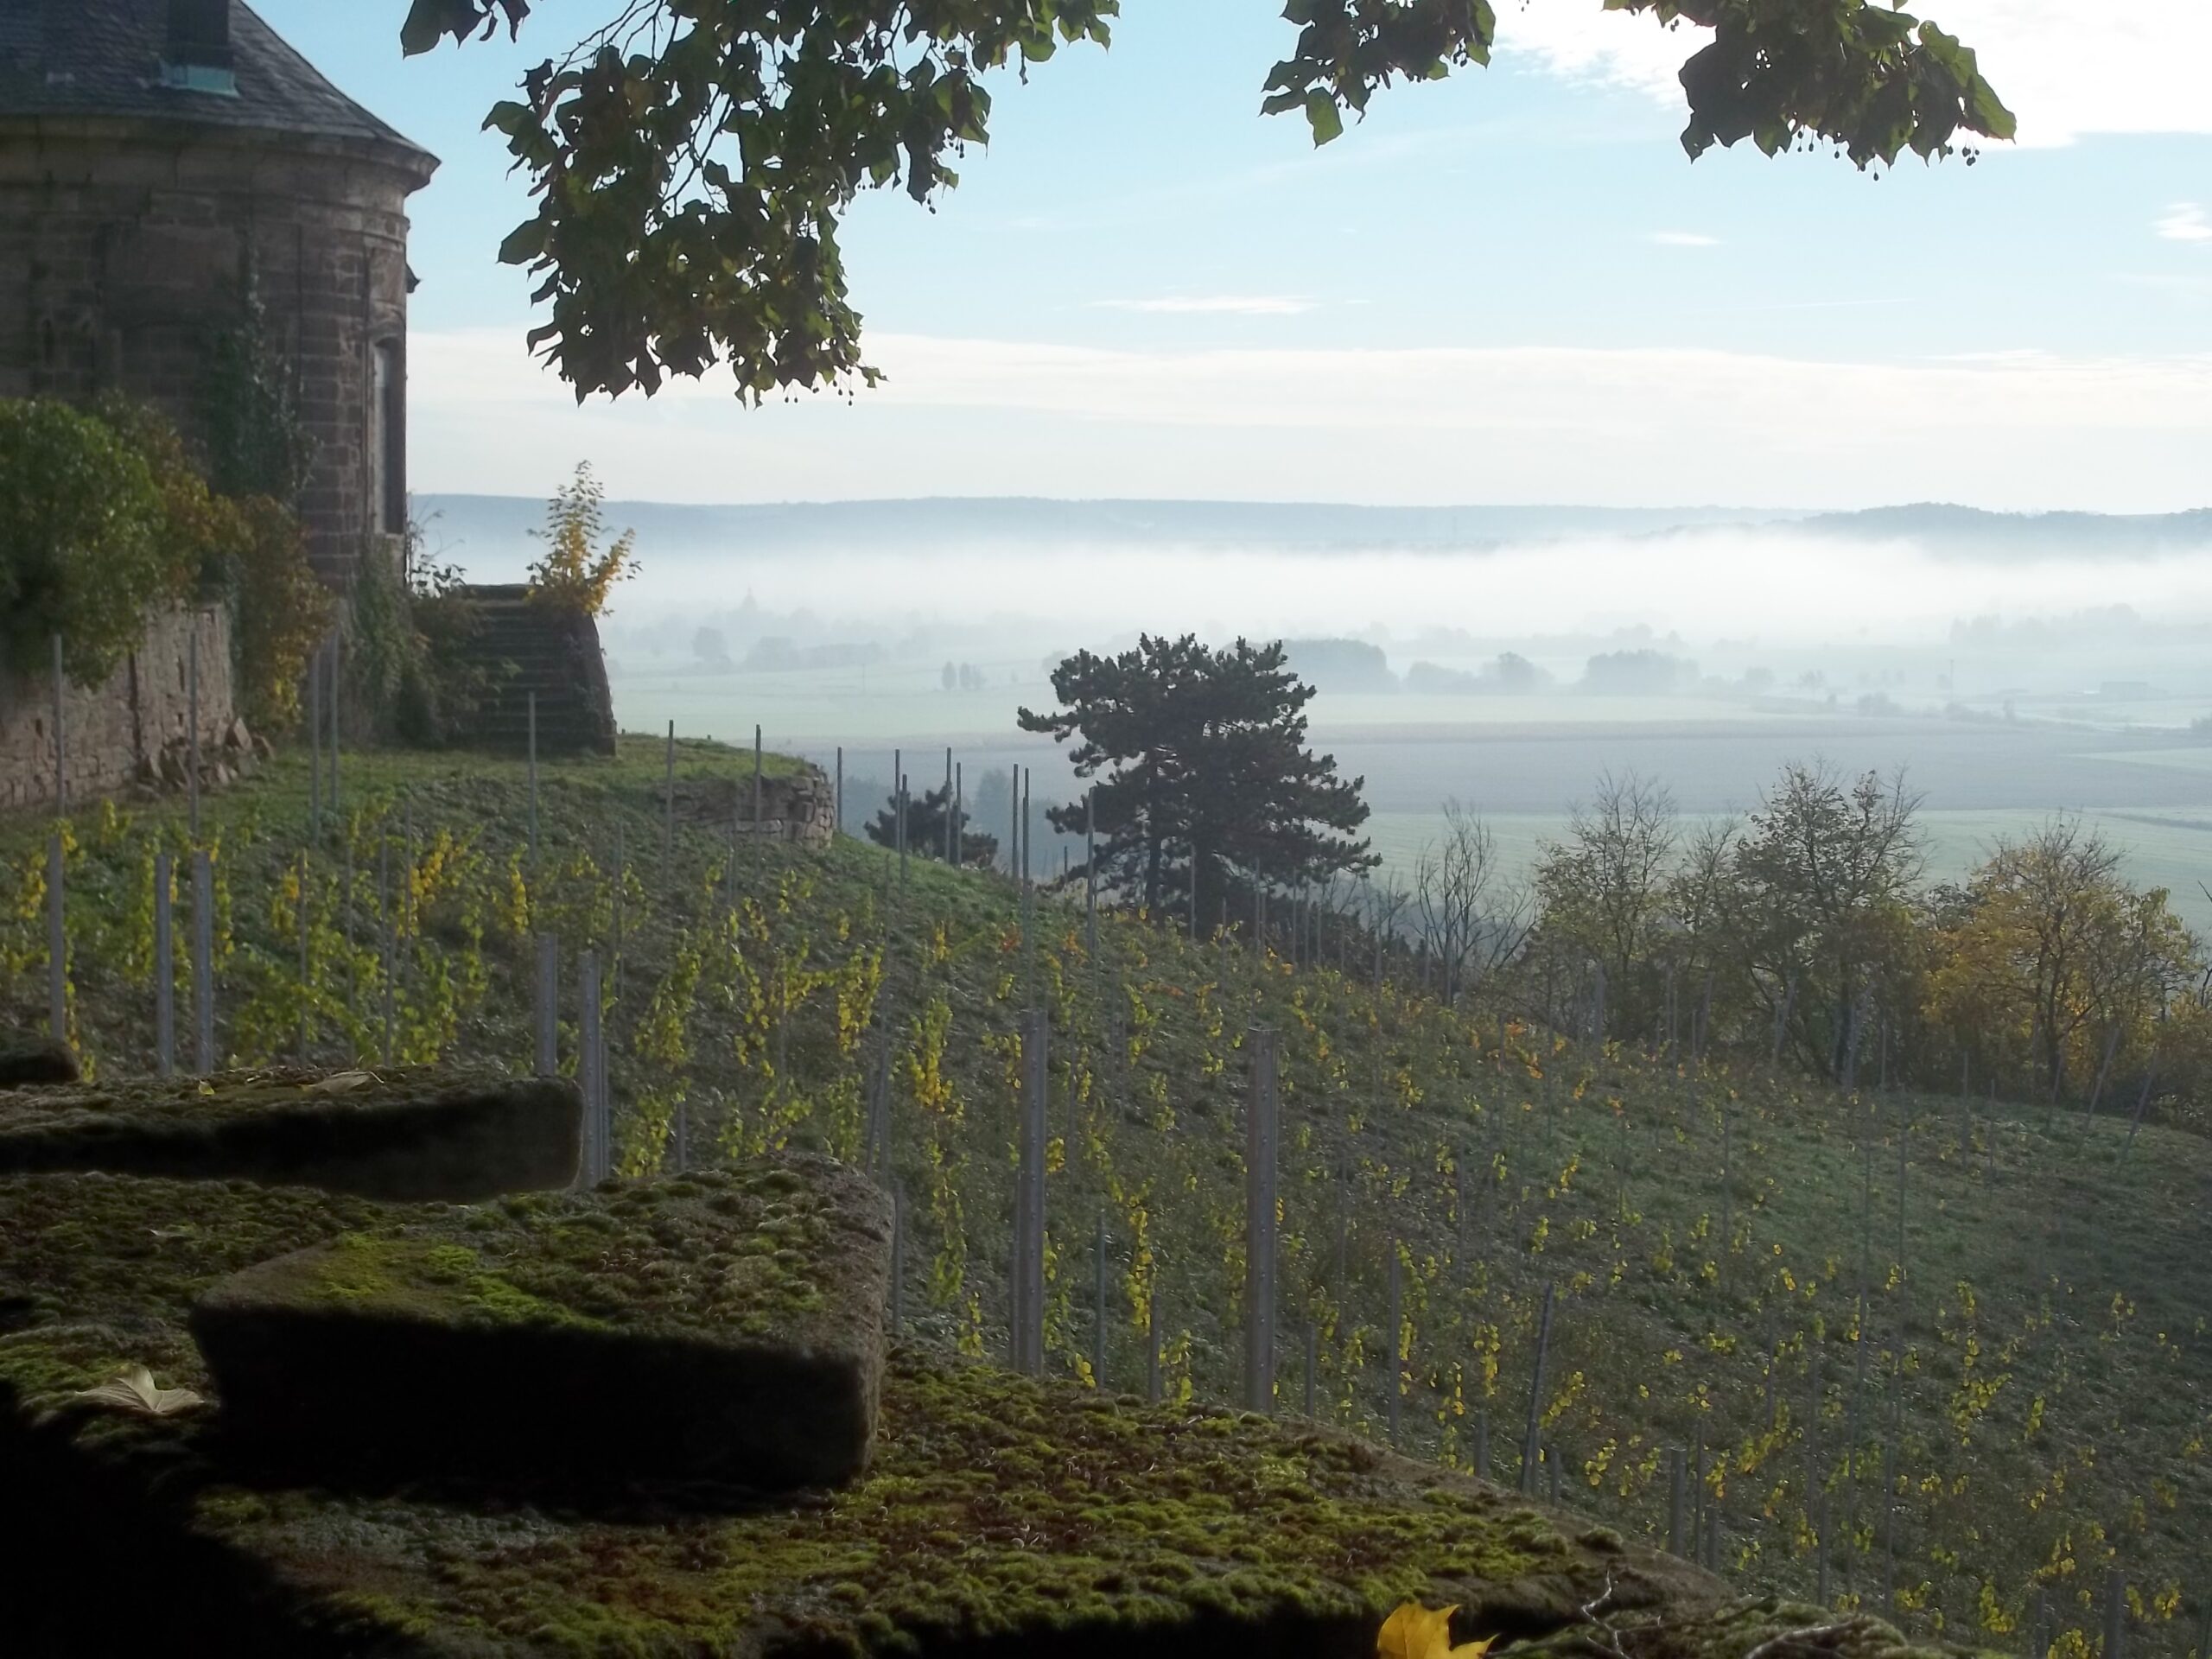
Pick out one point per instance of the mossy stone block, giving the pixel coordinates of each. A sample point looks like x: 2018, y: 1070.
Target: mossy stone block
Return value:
x: 106, y: 1248
x: 30, y: 1062
x: 999, y: 1515
x: 405, y: 1134
x: 724, y: 1326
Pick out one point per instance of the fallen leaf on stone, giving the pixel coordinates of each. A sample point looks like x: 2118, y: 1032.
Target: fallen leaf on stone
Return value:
x: 135, y: 1391
x: 1414, y: 1632
x: 340, y: 1082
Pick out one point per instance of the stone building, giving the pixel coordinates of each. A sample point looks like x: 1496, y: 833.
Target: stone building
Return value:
x: 163, y: 163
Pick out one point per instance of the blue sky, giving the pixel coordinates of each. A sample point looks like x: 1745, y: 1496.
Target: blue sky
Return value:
x: 1510, y: 286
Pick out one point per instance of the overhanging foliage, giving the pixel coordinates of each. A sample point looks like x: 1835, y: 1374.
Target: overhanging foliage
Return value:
x: 692, y: 159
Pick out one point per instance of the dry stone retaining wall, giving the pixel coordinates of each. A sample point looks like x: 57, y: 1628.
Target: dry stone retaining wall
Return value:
x: 131, y: 729
x: 801, y: 809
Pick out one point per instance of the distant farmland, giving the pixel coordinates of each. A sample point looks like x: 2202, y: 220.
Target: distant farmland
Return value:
x: 1981, y: 779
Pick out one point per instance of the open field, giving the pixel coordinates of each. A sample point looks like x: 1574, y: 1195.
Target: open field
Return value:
x: 1523, y: 762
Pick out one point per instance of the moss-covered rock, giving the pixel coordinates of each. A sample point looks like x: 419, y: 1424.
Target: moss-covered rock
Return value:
x: 1000, y: 1515
x: 28, y: 1062
x: 398, y: 1134
x: 112, y: 1250
x: 724, y: 1327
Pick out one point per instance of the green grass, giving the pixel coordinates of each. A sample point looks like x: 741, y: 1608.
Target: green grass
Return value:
x: 2035, y: 1352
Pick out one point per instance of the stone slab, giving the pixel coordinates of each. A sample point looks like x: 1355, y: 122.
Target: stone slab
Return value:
x: 727, y: 1326
x: 33, y: 1062
x: 1000, y: 1515
x: 413, y: 1135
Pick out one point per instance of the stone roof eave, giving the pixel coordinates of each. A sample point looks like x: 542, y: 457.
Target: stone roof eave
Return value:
x: 414, y: 165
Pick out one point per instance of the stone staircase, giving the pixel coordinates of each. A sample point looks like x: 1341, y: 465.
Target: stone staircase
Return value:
x: 522, y: 648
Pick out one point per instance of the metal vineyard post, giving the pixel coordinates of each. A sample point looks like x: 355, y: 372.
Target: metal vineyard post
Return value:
x: 591, y: 1069
x: 1261, y: 1142
x: 60, y: 744
x: 164, y: 968
x: 1098, y: 1308
x: 533, y: 782
x: 548, y: 1056
x: 1675, y: 1495
x: 57, y: 940
x: 307, y: 977
x: 333, y: 703
x: 1530, y: 1442
x: 203, y: 962
x: 668, y: 791
x: 1028, y: 1278
x: 314, y: 741
x: 1394, y: 1400
x: 192, y: 732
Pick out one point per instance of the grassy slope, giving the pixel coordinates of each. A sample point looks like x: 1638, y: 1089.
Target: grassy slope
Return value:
x: 2035, y: 1355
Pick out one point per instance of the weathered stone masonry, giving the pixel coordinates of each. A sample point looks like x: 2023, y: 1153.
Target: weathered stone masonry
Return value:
x: 135, y: 216
x: 119, y: 731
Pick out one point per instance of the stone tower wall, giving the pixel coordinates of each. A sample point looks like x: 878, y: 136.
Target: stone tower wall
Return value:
x: 124, y: 246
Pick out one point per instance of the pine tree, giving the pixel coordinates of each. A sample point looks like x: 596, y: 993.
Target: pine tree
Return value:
x: 1204, y: 786
x: 926, y: 816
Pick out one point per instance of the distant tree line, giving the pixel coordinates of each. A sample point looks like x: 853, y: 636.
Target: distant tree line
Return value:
x: 779, y: 653
x: 1807, y: 928
x: 1804, y: 930
x: 1508, y: 674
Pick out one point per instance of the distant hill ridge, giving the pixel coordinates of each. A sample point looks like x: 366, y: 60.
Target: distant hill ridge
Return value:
x: 500, y: 526
x: 1944, y: 525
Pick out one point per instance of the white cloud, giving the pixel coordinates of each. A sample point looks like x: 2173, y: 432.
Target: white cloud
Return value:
x: 1528, y: 423
x: 2185, y: 221
x: 2066, y: 70
x: 1238, y: 305
x: 1684, y: 239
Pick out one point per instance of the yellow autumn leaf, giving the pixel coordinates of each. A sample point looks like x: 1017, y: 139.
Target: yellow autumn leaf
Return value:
x: 135, y: 1391
x: 1414, y: 1632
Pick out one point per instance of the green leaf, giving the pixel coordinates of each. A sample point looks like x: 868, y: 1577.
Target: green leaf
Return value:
x: 510, y: 117
x: 1326, y: 120
x: 428, y: 23
x: 524, y: 243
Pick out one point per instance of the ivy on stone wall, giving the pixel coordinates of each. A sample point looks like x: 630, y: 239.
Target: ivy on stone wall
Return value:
x: 279, y: 612
x: 104, y: 520
x: 260, y: 454
x: 407, y: 634
x: 256, y: 442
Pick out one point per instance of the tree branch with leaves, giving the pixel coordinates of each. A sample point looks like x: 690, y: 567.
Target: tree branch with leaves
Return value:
x: 693, y: 160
